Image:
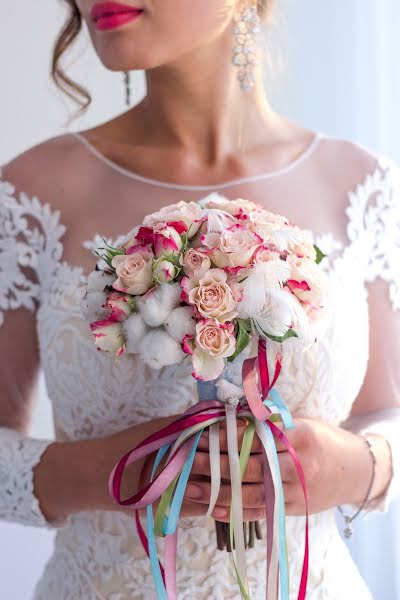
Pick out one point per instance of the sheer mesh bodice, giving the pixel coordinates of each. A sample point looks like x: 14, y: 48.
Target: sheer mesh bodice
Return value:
x: 347, y: 197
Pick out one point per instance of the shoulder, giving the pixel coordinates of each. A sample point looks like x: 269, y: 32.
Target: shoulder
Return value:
x: 44, y: 170
x: 347, y: 163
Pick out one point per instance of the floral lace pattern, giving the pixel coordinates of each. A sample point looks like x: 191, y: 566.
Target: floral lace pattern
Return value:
x: 17, y: 500
x: 97, y: 555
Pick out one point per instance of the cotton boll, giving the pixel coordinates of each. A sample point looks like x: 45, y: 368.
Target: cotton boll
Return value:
x: 158, y: 349
x: 181, y: 322
x: 134, y: 329
x: 156, y: 306
x: 93, y: 306
x: 98, y: 280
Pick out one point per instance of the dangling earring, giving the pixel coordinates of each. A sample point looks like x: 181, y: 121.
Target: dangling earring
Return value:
x: 127, y: 82
x: 245, y: 29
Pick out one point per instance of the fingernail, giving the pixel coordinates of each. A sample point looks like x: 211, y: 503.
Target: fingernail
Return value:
x: 194, y: 491
x: 219, y: 511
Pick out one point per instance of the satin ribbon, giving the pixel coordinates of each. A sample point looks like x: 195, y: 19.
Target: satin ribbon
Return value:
x: 177, y: 445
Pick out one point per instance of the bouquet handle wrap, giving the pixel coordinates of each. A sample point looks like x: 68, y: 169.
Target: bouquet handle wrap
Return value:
x: 176, y: 446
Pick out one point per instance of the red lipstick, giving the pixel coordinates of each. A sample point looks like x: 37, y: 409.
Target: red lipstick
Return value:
x: 109, y: 15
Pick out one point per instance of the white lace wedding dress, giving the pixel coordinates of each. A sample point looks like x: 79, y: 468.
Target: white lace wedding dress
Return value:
x: 349, y: 198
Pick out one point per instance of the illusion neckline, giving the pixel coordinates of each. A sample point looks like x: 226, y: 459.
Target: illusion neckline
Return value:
x: 290, y: 166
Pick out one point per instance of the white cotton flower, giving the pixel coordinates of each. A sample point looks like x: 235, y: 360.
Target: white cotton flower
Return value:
x: 98, y: 280
x: 158, y: 349
x: 156, y: 306
x: 134, y: 329
x: 180, y: 323
x: 93, y: 306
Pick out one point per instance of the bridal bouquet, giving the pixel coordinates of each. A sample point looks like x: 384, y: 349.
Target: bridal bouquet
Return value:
x: 210, y: 282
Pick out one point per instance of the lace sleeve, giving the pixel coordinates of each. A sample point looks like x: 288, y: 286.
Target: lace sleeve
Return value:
x: 374, y: 215
x: 29, y: 250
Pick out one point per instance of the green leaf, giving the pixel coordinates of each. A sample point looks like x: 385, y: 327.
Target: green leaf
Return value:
x: 289, y: 334
x: 320, y: 254
x: 242, y: 338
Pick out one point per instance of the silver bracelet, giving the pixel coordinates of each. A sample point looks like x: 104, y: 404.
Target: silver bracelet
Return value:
x: 348, y: 531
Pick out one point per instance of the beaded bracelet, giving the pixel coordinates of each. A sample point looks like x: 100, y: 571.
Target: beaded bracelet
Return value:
x: 348, y: 531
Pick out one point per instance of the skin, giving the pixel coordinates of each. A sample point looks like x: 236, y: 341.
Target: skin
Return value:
x: 190, y: 128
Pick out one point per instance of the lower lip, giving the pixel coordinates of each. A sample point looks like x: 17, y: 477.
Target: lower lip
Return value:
x: 116, y: 20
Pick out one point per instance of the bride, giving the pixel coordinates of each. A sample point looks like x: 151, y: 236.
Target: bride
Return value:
x: 205, y: 125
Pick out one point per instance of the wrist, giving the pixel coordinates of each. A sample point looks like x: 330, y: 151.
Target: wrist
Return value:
x: 364, y: 472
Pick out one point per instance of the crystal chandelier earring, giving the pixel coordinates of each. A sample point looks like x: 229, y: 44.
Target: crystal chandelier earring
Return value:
x: 127, y: 82
x: 246, y: 26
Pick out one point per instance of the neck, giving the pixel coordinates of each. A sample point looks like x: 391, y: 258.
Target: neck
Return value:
x: 196, y: 103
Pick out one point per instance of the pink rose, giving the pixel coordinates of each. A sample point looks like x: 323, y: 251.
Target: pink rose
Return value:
x: 188, y: 212
x: 120, y: 306
x: 167, y: 240
x: 265, y: 254
x: 134, y: 271
x: 195, y: 262
x: 212, y: 297
x: 108, y: 336
x: 237, y: 208
x: 306, y: 282
x: 265, y: 222
x: 213, y: 342
x: 234, y: 247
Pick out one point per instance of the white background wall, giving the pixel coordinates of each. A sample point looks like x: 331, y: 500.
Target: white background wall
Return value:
x: 342, y: 78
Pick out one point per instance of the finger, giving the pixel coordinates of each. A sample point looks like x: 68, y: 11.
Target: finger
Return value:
x: 203, y: 443
x: 253, y: 494
x: 222, y: 513
x: 253, y: 473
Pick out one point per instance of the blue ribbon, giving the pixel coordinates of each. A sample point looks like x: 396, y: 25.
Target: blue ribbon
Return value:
x: 276, y: 400
x: 171, y: 522
x: 283, y: 560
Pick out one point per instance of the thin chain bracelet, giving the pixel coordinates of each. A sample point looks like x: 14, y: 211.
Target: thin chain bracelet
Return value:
x: 348, y: 531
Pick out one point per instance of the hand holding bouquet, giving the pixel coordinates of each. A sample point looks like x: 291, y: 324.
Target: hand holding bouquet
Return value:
x: 204, y: 282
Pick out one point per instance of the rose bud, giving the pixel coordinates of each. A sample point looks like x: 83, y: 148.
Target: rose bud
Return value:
x: 164, y: 271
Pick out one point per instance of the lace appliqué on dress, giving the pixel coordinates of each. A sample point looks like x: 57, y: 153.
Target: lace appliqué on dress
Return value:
x: 374, y: 218
x: 18, y: 457
x: 29, y: 252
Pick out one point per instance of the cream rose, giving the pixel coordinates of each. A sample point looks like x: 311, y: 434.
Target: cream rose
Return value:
x: 215, y: 339
x: 134, y: 271
x: 212, y: 343
x: 213, y: 296
x: 195, y: 262
x: 234, y: 247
